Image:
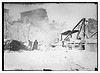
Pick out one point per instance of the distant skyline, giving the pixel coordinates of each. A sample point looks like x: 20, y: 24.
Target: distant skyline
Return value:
x: 71, y: 13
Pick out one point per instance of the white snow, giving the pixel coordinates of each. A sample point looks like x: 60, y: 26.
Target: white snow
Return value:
x: 54, y: 59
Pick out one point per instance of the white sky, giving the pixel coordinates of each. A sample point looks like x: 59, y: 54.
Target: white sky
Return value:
x: 71, y: 13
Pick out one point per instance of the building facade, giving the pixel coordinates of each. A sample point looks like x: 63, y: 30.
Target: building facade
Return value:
x: 33, y: 15
x: 6, y: 16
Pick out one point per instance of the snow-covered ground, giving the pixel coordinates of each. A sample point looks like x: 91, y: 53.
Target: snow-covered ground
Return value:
x: 55, y: 59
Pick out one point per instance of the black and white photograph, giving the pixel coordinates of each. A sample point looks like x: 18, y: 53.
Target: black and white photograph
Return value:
x: 50, y: 36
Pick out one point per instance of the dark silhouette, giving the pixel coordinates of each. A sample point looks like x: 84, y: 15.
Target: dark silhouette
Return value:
x: 35, y: 45
x: 15, y: 46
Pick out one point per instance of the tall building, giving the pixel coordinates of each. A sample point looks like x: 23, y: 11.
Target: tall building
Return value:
x: 33, y: 15
x: 6, y: 14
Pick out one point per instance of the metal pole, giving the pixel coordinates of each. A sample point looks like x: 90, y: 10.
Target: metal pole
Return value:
x: 75, y: 27
x: 78, y: 23
x: 79, y: 30
x: 92, y: 35
x: 83, y: 46
x: 84, y: 27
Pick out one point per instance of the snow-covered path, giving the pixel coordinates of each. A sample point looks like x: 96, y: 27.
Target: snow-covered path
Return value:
x: 53, y: 59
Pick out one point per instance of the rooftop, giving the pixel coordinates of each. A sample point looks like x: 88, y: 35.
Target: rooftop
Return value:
x: 32, y: 10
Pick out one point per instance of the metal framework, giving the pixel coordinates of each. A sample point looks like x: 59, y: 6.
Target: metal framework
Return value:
x: 82, y: 24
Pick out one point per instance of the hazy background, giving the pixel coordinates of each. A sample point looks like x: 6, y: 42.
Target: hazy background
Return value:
x: 71, y: 13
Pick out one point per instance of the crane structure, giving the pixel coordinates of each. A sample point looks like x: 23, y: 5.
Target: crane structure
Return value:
x: 81, y: 29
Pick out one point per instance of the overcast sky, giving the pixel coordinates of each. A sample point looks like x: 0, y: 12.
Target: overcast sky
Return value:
x: 71, y: 13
